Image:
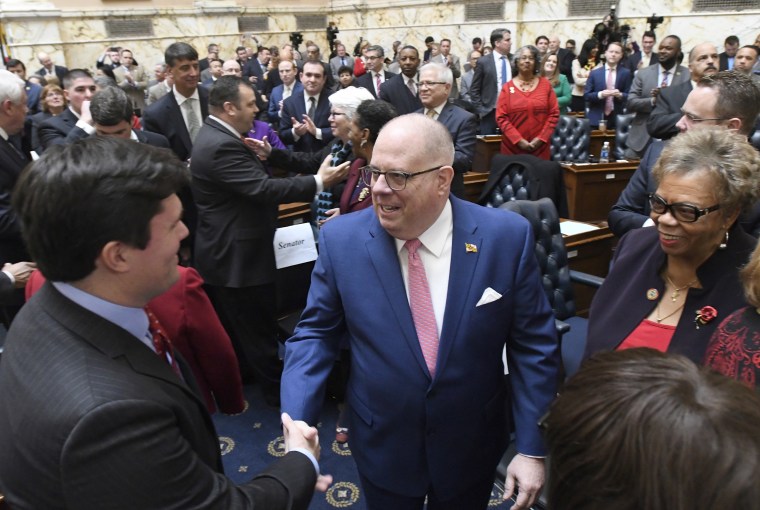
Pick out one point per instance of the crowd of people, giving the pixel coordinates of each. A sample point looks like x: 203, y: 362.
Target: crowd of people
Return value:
x: 139, y: 214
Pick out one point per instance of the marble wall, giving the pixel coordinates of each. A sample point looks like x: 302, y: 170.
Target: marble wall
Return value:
x: 76, y: 37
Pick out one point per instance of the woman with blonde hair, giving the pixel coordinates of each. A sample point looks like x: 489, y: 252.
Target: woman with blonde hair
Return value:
x: 52, y: 102
x: 558, y: 81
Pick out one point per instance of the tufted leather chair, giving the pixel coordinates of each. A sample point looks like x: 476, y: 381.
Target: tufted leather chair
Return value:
x: 755, y: 139
x: 513, y: 184
x: 570, y: 140
x: 556, y: 276
x: 623, y: 125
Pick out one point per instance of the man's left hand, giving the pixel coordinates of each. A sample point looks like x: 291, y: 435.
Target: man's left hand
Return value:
x: 527, y: 475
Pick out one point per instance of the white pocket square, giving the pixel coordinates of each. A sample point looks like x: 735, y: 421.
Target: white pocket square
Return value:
x: 489, y: 296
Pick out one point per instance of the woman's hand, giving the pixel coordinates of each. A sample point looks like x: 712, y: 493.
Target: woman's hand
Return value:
x: 536, y: 144
x: 525, y: 145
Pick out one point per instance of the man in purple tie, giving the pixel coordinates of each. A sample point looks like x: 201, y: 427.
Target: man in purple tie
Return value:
x: 428, y: 289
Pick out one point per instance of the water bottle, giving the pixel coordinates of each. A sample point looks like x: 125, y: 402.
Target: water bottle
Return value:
x: 604, y: 157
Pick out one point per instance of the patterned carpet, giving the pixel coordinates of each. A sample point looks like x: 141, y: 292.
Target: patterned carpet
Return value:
x: 252, y: 439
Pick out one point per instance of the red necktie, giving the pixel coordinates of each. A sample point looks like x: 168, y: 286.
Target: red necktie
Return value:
x: 422, y: 306
x: 608, y: 104
x: 161, y: 342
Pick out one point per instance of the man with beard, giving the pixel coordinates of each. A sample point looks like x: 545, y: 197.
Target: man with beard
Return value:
x: 647, y: 85
x: 703, y: 60
x: 401, y: 90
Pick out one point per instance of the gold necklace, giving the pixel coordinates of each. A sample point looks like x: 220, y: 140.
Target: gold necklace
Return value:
x: 678, y: 290
x: 525, y: 86
x: 657, y: 312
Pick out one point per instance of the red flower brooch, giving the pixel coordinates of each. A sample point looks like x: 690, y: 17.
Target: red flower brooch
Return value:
x: 705, y: 315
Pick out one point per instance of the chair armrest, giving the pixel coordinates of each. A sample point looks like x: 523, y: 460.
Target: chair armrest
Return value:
x: 586, y: 279
x: 562, y: 327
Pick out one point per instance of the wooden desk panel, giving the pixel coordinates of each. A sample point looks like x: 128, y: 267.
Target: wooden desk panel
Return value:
x: 473, y: 185
x: 485, y: 149
x: 590, y: 252
x: 597, y: 140
x: 293, y: 214
x: 593, y: 189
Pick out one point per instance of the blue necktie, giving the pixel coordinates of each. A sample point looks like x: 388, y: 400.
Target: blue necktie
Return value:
x: 503, y: 70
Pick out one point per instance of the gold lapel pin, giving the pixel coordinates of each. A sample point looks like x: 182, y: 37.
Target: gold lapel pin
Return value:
x: 652, y: 294
x: 470, y: 248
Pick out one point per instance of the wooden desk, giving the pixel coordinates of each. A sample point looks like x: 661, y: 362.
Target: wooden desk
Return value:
x: 597, y: 140
x: 473, y: 185
x: 485, y: 149
x: 293, y: 214
x: 592, y: 189
x: 589, y: 252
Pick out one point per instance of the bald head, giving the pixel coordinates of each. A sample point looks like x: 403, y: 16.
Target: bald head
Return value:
x: 231, y: 68
x: 45, y: 60
x: 428, y: 139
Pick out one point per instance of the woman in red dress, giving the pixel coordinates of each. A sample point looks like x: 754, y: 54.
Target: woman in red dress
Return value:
x: 527, y: 109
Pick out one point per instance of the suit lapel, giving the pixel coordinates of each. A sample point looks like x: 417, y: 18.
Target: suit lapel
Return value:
x: 381, y: 248
x: 174, y: 113
x: 463, y: 263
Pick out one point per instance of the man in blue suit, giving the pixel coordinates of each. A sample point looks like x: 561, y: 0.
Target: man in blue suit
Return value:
x: 607, y: 102
x: 428, y: 289
x: 304, y: 121
x: 287, y: 70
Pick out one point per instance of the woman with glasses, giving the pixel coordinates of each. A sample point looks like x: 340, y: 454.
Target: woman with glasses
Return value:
x: 53, y: 102
x: 672, y: 284
x: 527, y: 110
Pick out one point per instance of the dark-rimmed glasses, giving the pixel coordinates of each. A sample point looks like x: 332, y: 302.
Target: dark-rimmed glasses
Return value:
x: 396, y: 179
x: 681, y: 211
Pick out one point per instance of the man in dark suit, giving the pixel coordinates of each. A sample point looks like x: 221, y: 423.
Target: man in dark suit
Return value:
x: 647, y: 86
x: 112, y: 114
x: 215, y: 70
x: 401, y: 90
x: 489, y: 78
x: 435, y: 87
x: 237, y: 217
x: 730, y: 47
x: 442, y: 286
x: 565, y: 57
x: 607, y: 97
x: 49, y: 69
x: 179, y: 114
x: 739, y: 101
x: 33, y: 90
x: 703, y: 61
x: 304, y: 122
x: 289, y: 86
x: 376, y: 74
x: 255, y: 68
x: 645, y: 57
x: 75, y: 122
x: 12, y: 161
x: 128, y: 428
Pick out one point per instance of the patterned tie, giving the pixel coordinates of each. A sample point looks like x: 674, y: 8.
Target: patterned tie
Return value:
x: 422, y: 306
x: 193, y: 124
x: 412, y: 88
x: 664, y: 79
x: 312, y: 107
x: 503, y: 70
x: 161, y: 342
x: 431, y: 114
x: 609, y: 102
x: 377, y: 82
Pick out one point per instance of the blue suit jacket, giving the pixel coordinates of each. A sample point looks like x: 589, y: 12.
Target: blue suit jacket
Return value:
x: 295, y: 106
x: 596, y: 83
x: 274, y: 102
x: 409, y: 432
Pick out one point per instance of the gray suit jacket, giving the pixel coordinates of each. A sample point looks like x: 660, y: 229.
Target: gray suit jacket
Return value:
x: 156, y: 92
x: 335, y: 64
x: 92, y: 418
x: 456, y: 70
x: 640, y: 101
x: 484, y: 90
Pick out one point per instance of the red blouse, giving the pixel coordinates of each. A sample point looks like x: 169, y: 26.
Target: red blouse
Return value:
x: 649, y: 334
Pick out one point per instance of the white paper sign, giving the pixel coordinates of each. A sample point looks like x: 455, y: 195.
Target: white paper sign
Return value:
x: 294, y: 245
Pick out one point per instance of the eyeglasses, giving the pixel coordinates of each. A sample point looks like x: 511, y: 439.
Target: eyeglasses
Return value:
x: 527, y: 59
x: 693, y: 118
x: 428, y: 84
x: 336, y: 114
x: 395, y: 179
x: 681, y: 211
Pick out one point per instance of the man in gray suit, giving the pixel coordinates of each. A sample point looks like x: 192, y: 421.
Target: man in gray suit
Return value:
x: 452, y: 62
x: 97, y: 410
x: 340, y: 60
x: 491, y: 73
x: 435, y: 87
x: 646, y: 88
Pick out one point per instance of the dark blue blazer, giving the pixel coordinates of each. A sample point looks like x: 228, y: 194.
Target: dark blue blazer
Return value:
x: 621, y: 303
x: 60, y: 130
x: 365, y: 81
x: 295, y: 106
x: 667, y: 111
x: 463, y: 128
x: 12, y: 162
x: 274, y: 101
x: 33, y: 92
x: 596, y: 83
x: 395, y: 92
x: 408, y: 432
x: 165, y: 117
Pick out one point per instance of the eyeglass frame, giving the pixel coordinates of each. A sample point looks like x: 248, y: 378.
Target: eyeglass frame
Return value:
x: 694, y: 119
x: 428, y: 84
x: 698, y: 213
x: 336, y: 114
x: 407, y: 175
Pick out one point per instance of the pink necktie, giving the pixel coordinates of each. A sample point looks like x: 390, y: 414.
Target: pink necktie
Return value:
x: 608, y: 104
x: 377, y: 82
x: 422, y: 307
x: 161, y: 342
